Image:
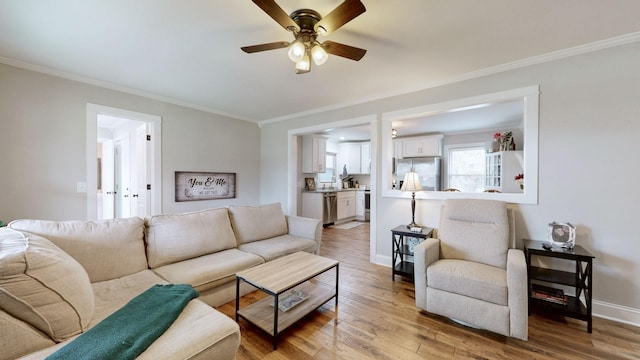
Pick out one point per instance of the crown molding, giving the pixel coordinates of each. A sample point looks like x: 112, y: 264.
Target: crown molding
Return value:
x: 518, y: 64
x: 552, y: 56
x: 107, y: 85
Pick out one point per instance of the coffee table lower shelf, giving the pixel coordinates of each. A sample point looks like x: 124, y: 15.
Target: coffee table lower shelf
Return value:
x: 261, y: 313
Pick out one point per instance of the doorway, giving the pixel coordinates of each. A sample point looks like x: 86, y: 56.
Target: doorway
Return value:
x: 295, y: 178
x: 125, y: 180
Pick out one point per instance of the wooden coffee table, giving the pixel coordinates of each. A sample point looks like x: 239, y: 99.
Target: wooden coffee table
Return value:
x: 276, y: 278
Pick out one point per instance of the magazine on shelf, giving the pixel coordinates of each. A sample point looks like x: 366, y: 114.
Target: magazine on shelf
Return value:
x: 290, y: 299
x: 547, y: 293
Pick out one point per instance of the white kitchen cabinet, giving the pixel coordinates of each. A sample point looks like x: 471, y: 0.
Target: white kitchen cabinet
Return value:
x: 365, y: 158
x: 356, y: 155
x: 501, y: 168
x: 360, y: 205
x: 314, y: 152
x: 346, y: 205
x: 418, y: 146
x: 312, y: 205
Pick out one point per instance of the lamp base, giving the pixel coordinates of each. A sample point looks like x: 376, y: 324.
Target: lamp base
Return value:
x: 412, y: 225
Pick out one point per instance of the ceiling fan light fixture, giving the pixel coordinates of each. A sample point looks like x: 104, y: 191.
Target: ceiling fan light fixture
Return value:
x: 304, y: 65
x: 297, y: 51
x: 319, y: 55
x: 321, y: 30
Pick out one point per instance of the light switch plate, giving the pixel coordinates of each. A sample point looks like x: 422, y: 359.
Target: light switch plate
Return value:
x: 81, y: 187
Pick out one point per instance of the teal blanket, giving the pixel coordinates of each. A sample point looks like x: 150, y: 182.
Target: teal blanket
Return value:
x: 129, y: 331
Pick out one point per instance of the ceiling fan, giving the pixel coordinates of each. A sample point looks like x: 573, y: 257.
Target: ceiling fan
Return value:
x: 307, y: 25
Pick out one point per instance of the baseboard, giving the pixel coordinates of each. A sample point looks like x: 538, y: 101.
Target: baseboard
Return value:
x: 601, y: 309
x: 383, y: 260
x: 619, y: 313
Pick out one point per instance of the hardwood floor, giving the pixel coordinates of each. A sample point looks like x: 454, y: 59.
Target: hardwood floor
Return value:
x: 376, y: 318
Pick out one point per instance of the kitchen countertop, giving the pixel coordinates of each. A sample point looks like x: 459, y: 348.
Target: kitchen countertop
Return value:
x: 334, y: 190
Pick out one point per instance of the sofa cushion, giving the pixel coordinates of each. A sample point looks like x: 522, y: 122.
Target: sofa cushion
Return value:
x: 43, y: 286
x: 251, y: 223
x: 475, y: 230
x: 278, y: 246
x: 208, y: 271
x: 176, y: 237
x: 200, y: 332
x: 107, y: 249
x: 472, y: 279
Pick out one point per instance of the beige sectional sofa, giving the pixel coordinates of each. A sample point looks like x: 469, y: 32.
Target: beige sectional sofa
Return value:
x: 58, y: 279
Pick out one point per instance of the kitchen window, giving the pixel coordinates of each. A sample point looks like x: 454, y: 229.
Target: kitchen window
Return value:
x: 466, y: 168
x: 329, y: 176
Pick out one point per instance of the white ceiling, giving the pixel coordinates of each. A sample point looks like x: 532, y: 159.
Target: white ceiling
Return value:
x: 188, y: 52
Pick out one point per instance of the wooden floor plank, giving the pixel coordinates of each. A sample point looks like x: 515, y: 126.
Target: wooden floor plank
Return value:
x: 376, y: 318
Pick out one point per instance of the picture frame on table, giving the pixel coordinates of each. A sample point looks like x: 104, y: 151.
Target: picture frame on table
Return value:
x: 561, y: 234
x: 310, y: 184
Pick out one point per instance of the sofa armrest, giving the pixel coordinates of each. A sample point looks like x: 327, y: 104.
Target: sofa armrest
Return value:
x: 307, y: 228
x: 518, y: 293
x: 425, y: 254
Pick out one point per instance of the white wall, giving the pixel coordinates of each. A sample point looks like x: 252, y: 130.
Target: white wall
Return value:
x: 43, y: 146
x: 588, y: 170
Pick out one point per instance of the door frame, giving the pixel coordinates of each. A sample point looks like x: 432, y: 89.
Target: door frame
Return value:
x: 155, y: 156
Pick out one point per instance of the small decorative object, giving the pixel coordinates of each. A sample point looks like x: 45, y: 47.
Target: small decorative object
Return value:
x: 191, y: 186
x: 519, y: 180
x: 412, y: 242
x: 504, y: 139
x: 562, y: 234
x: 412, y: 183
x: 291, y: 299
x: 310, y: 184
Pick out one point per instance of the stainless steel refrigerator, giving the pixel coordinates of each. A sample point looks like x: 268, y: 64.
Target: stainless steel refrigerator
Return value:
x: 428, y: 168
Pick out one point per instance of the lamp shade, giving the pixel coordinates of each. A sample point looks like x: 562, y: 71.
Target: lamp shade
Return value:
x: 411, y: 182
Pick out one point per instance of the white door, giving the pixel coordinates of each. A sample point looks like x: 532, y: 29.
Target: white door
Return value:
x: 111, y: 124
x: 122, y: 169
x: 140, y: 200
x: 107, y: 181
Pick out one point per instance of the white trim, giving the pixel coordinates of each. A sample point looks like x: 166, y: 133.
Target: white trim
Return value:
x: 619, y: 313
x: 112, y: 86
x: 156, y: 161
x: 555, y: 55
x: 530, y: 95
x: 292, y: 178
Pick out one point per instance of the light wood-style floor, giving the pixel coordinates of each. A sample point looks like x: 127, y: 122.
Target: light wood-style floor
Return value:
x: 376, y: 318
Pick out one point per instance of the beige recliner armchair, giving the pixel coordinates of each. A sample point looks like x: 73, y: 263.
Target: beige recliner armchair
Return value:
x: 473, y: 273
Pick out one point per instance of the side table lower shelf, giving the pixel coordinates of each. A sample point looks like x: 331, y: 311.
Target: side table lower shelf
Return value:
x: 404, y: 268
x: 574, y: 307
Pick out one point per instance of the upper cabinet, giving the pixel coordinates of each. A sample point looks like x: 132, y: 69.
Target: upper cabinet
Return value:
x: 418, y: 146
x: 314, y: 151
x: 356, y: 156
x: 502, y: 167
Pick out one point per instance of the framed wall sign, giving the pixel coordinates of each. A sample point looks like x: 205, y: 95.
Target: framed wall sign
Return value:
x: 192, y: 186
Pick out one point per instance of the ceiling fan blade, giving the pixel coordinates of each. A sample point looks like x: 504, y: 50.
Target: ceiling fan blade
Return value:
x: 272, y: 9
x: 345, y: 12
x: 265, y: 47
x: 343, y: 50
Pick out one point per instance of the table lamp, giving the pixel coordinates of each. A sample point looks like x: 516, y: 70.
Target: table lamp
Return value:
x: 412, y: 183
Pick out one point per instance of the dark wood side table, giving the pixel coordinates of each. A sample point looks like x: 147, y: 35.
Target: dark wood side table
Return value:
x: 580, y: 279
x: 402, y: 244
